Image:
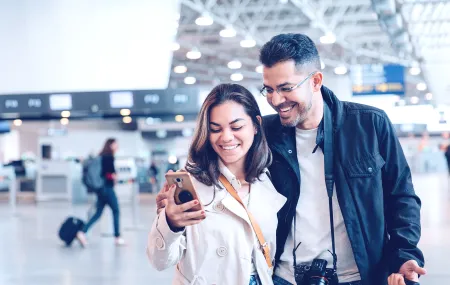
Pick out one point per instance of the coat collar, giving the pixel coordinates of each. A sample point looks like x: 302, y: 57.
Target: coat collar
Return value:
x: 262, y: 195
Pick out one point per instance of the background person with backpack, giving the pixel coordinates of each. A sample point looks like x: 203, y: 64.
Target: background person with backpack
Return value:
x: 99, y: 174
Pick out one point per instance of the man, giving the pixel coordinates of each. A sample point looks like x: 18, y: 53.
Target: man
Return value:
x: 376, y: 214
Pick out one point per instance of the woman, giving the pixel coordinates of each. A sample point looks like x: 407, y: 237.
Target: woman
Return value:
x: 107, y: 195
x: 217, y: 245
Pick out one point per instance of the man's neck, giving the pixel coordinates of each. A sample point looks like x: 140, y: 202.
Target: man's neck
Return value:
x: 315, y: 115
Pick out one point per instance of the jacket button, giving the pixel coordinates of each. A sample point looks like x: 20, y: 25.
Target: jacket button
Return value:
x: 160, y: 243
x: 218, y: 206
x: 222, y: 251
x: 370, y: 169
x: 290, y: 151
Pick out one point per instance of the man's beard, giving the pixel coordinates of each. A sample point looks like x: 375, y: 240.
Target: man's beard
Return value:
x: 300, y: 117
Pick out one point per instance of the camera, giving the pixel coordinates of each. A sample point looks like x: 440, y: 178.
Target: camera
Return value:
x: 185, y: 196
x: 315, y: 274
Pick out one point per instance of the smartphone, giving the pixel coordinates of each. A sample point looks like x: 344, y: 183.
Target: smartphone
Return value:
x: 185, y: 191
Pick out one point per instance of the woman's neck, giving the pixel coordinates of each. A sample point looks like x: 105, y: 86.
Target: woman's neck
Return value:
x: 237, y: 168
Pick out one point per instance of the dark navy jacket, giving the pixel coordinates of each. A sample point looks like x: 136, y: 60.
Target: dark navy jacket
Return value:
x: 373, y: 186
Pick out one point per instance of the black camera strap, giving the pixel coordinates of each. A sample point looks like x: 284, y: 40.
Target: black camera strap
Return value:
x: 329, y: 180
x: 328, y: 143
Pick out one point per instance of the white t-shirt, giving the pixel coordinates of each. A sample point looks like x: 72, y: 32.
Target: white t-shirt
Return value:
x: 313, y: 219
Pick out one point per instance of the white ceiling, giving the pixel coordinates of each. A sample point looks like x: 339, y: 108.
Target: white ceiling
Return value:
x: 360, y: 38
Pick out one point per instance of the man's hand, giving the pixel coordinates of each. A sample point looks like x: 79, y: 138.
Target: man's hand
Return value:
x: 179, y: 216
x: 410, y: 270
x: 161, y: 198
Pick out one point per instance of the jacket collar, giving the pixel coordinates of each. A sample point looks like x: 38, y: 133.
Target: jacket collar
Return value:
x: 229, y: 176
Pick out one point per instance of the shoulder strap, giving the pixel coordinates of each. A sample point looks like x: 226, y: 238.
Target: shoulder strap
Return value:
x: 262, y: 242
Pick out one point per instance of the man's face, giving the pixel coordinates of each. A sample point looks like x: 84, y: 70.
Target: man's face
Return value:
x: 292, y: 106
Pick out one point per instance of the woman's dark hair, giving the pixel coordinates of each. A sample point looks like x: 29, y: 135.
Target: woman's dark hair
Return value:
x: 297, y: 47
x: 107, y: 149
x: 203, y: 161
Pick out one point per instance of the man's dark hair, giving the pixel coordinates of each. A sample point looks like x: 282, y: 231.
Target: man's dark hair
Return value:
x: 297, y: 47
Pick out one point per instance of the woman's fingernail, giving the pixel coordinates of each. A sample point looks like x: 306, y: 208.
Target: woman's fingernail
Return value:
x: 195, y: 202
x: 203, y: 212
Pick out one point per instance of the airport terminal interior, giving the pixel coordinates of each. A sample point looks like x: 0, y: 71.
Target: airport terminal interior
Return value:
x: 75, y: 73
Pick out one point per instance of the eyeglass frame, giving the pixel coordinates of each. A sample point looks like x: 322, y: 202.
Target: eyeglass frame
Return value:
x: 288, y: 89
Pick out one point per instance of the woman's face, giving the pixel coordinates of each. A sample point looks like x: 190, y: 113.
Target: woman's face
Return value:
x: 231, y: 132
x: 114, y: 147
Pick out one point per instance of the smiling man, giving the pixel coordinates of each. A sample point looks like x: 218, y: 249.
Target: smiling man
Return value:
x: 374, y: 228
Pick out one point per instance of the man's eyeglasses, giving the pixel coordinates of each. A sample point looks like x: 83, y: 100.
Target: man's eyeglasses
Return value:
x: 267, y: 91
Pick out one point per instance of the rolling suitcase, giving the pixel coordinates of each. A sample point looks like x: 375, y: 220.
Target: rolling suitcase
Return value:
x: 69, y: 229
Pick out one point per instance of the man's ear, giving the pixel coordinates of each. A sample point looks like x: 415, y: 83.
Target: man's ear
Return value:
x: 317, y: 81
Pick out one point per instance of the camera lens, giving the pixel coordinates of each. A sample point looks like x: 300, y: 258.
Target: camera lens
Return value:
x: 185, y: 196
x: 178, y: 180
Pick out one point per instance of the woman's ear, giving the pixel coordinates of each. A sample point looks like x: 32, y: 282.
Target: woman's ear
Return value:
x: 259, y: 120
x: 260, y: 123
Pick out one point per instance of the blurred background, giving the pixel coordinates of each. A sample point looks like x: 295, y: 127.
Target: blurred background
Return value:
x: 74, y: 73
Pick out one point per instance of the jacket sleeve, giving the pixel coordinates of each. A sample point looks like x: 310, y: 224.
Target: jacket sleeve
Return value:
x: 165, y: 248
x: 402, y: 205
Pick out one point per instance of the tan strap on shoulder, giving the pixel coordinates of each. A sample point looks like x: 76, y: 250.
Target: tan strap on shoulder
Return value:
x: 262, y: 242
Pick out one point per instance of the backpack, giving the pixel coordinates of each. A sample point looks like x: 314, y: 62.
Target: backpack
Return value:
x: 92, y: 174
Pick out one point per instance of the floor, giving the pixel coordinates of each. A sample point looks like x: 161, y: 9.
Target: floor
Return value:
x: 31, y: 254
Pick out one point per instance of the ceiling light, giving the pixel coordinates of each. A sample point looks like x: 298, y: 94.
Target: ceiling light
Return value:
x: 322, y: 64
x: 17, y: 122
x: 248, y: 43
x: 204, y: 20
x: 175, y: 46
x: 228, y: 32
x: 234, y: 64
x: 414, y: 100
x: 421, y: 86
x: 236, y: 77
x: 414, y: 70
x: 284, y: 1
x: 161, y: 134
x: 180, y: 69
x: 172, y: 159
x: 179, y: 118
x: 194, y: 54
x: 65, y: 114
x: 259, y: 69
x: 127, y: 120
x: 64, y: 121
x: 340, y: 70
x: 187, y: 132
x: 125, y: 112
x: 327, y: 39
x: 429, y: 96
x: 190, y: 80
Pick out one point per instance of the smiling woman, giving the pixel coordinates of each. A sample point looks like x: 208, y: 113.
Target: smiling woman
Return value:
x: 229, y: 151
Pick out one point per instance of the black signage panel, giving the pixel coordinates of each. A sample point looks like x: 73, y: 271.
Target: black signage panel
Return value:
x: 90, y: 102
x: 182, y: 101
x: 24, y: 104
x: 169, y: 101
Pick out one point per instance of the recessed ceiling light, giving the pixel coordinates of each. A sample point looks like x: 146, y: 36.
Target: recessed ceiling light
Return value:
x: 175, y: 46
x: 204, y: 20
x: 248, y: 43
x: 190, y: 80
x: 180, y: 69
x: 228, y: 32
x: 340, y: 70
x: 194, y: 54
x: 234, y: 64
x: 421, y: 86
x: 236, y: 77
